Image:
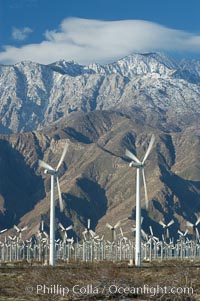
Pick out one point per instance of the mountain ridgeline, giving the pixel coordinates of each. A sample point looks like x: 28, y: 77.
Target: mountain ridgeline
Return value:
x: 100, y: 111
x: 33, y: 95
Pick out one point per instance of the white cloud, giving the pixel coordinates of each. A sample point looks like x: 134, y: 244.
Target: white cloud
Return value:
x: 20, y: 34
x: 87, y: 41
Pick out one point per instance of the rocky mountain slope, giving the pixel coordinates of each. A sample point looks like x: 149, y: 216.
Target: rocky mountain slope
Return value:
x: 101, y: 111
x: 96, y: 180
x: 32, y: 95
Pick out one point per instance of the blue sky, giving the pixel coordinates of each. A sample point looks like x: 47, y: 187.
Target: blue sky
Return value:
x: 96, y: 30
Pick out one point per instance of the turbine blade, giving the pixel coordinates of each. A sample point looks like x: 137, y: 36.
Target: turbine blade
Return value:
x: 145, y: 189
x: 69, y: 228
x: 143, y: 234
x: 92, y: 233
x: 25, y: 228
x: 42, y: 225
x: 155, y: 238
x: 109, y: 226
x: 197, y: 233
x: 181, y: 233
x: 189, y: 224
x: 60, y: 196
x: 45, y: 165
x: 88, y: 223
x: 46, y: 234
x: 197, y: 222
x: 149, y: 148
x: 63, y: 156
x: 61, y: 226
x: 117, y: 224
x: 132, y: 156
x: 4, y: 230
x: 162, y: 224
x: 186, y: 232
x: 151, y: 230
x: 16, y: 228
x: 170, y: 223
x: 142, y: 218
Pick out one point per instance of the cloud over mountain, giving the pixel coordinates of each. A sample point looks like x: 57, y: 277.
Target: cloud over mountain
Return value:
x: 87, y: 41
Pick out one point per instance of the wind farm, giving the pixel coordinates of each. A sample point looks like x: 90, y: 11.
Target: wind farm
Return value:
x: 108, y: 192
x: 58, y: 244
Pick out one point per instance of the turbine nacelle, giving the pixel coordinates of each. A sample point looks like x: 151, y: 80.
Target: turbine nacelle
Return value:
x: 137, y: 165
x: 50, y: 172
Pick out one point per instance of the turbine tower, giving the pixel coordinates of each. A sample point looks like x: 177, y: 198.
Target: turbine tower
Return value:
x: 54, y: 175
x: 139, y: 165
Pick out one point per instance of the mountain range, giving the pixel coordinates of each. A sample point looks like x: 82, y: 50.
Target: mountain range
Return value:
x: 100, y: 110
x: 35, y: 95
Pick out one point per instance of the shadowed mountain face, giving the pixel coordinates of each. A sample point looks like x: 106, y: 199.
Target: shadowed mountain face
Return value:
x: 96, y: 180
x: 18, y: 179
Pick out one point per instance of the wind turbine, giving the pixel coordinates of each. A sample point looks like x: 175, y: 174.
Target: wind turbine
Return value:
x: 166, y: 228
x: 195, y: 229
x: 63, y: 229
x: 54, y: 176
x: 87, y: 232
x: 20, y: 230
x: 113, y: 229
x: 182, y: 234
x: 139, y: 165
x: 41, y: 233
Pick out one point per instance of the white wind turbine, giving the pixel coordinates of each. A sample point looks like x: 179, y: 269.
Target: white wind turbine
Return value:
x: 87, y: 232
x: 20, y: 230
x: 41, y: 233
x: 182, y: 235
x: 64, y: 230
x: 113, y: 229
x: 166, y: 228
x: 54, y: 176
x: 139, y: 165
x: 194, y: 228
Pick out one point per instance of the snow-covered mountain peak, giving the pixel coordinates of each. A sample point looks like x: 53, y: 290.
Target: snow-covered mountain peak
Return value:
x: 70, y: 68
x: 135, y: 64
x: 33, y: 95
